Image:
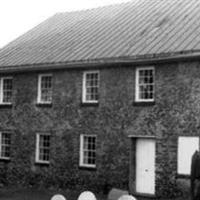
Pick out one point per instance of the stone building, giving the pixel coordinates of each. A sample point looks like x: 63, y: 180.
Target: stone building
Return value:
x: 102, y: 98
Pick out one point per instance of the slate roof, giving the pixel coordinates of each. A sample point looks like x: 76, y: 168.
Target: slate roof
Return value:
x: 136, y: 29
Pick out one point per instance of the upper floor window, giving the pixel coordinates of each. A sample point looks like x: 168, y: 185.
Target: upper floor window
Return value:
x: 45, y: 88
x: 90, y: 87
x: 145, y: 88
x: 6, y: 90
x: 5, y: 145
x: 88, y: 150
x: 42, y: 148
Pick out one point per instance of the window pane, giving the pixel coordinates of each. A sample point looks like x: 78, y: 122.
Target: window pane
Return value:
x: 7, y: 151
x: 91, y: 160
x: 85, y: 143
x: 85, y: 157
x: 46, y: 95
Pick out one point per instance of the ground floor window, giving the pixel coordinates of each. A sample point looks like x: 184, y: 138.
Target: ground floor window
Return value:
x: 5, y: 145
x: 42, y: 148
x: 186, y: 148
x: 88, y: 150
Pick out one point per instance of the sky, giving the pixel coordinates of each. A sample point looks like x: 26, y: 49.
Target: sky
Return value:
x: 19, y: 16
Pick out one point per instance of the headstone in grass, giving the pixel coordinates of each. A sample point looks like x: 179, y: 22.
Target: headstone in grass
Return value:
x: 115, y: 194
x: 58, y: 197
x: 87, y: 195
x: 127, y: 197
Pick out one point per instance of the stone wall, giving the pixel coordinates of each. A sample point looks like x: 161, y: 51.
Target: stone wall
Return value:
x: 176, y: 112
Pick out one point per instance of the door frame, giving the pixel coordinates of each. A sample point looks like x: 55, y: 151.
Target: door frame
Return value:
x: 132, y: 165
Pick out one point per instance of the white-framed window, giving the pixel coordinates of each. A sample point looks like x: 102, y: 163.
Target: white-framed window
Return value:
x: 186, y: 148
x: 6, y: 90
x: 88, y: 150
x: 45, y: 88
x: 145, y: 84
x: 90, y: 87
x: 42, y: 148
x: 5, y: 145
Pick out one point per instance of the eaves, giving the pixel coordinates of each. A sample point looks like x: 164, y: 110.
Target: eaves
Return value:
x: 100, y: 63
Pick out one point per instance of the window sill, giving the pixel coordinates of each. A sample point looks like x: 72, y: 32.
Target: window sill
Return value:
x: 42, y: 163
x: 87, y: 104
x: 137, y: 194
x: 144, y: 103
x: 4, y: 159
x: 87, y: 167
x: 183, y: 176
x: 39, y: 104
x: 5, y: 105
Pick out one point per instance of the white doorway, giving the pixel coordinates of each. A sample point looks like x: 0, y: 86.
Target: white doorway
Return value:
x: 145, y: 166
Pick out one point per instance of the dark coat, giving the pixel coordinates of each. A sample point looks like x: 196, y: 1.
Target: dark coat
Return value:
x: 195, y: 176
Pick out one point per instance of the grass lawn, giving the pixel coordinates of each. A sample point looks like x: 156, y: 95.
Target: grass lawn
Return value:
x: 33, y: 194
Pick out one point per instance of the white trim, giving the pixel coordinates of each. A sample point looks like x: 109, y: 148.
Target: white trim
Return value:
x: 2, y: 157
x: 137, y: 99
x: 80, y: 151
x: 37, y: 160
x: 37, y: 147
x: 1, y: 90
x: 81, y: 157
x: 42, y: 162
x: 84, y: 85
x: 39, y: 89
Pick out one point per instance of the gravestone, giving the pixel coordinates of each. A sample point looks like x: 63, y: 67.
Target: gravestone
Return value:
x: 115, y: 194
x: 87, y: 195
x: 58, y: 197
x: 127, y: 197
